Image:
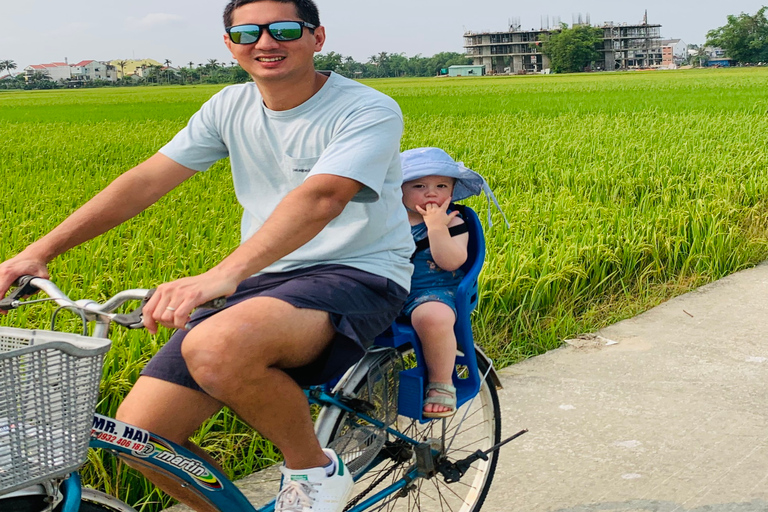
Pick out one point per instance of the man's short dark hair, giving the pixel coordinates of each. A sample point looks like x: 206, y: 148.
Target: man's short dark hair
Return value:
x: 306, y: 9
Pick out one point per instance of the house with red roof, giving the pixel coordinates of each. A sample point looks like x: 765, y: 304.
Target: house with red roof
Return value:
x: 55, y: 70
x: 83, y: 71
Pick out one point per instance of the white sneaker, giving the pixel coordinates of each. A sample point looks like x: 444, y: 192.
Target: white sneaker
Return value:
x: 312, y: 490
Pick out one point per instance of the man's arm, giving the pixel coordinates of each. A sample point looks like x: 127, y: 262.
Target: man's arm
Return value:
x: 296, y: 220
x: 125, y: 197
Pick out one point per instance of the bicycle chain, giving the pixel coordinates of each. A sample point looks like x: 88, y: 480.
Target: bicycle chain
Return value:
x: 354, y: 501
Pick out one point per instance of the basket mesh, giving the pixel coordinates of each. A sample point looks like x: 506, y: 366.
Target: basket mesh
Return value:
x: 47, y: 400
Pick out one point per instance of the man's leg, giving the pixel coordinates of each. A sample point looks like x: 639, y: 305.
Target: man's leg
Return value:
x: 236, y: 356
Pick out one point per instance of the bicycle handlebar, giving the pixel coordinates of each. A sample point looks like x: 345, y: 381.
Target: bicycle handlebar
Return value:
x: 94, y: 311
x: 29, y: 285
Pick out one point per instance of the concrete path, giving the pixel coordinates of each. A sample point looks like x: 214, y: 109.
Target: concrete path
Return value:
x: 665, y: 412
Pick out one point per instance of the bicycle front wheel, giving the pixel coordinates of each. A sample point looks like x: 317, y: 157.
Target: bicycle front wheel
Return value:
x: 87, y: 506
x: 34, y: 503
x: 475, y: 426
x: 38, y: 504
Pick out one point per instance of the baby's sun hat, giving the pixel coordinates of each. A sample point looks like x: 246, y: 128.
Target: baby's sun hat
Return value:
x: 420, y: 162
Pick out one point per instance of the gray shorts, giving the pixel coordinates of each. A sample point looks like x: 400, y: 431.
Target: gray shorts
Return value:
x: 361, y: 306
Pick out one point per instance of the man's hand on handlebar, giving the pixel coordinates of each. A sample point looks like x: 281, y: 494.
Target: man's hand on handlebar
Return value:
x: 16, y: 267
x: 172, y: 303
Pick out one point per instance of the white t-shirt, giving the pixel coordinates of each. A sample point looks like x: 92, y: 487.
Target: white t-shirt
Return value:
x: 346, y: 129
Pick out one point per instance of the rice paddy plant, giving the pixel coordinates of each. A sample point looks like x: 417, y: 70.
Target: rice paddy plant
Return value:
x: 621, y: 190
x: 624, y: 190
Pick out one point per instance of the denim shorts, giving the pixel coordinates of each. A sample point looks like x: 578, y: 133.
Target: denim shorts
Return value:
x: 446, y: 296
x: 361, y: 306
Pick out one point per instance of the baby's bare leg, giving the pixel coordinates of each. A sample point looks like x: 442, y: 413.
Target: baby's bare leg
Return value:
x: 433, y: 322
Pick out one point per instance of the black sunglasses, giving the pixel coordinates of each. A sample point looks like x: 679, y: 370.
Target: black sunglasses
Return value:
x: 279, y: 30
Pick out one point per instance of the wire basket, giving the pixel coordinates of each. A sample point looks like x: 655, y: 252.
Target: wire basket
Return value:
x: 49, y: 383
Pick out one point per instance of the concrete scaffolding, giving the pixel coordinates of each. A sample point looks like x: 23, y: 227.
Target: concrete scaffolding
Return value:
x: 631, y: 46
x: 507, y: 52
x: 518, y: 51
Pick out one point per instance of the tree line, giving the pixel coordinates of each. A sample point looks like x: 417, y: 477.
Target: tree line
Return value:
x: 381, y: 65
x: 390, y: 65
x: 211, y: 72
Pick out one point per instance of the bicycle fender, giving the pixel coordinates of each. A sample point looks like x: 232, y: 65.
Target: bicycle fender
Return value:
x: 492, y: 375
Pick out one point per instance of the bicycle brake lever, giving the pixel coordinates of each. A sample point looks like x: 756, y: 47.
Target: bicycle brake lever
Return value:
x: 134, y: 319
x: 23, y: 289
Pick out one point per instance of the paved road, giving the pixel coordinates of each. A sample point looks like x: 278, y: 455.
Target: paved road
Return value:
x: 665, y: 412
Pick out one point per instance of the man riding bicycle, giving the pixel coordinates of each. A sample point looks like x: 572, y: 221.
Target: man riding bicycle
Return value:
x: 323, y: 264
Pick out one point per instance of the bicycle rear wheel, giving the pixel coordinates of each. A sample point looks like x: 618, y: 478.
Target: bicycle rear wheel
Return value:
x: 475, y: 426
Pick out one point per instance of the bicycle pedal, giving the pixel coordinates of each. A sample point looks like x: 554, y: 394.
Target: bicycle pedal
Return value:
x: 425, y: 462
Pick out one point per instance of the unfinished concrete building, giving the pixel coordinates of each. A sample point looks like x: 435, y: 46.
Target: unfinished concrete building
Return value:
x: 518, y: 51
x: 631, y: 46
x: 514, y: 51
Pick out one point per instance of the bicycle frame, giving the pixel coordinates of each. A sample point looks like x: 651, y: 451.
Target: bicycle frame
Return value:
x: 161, y: 454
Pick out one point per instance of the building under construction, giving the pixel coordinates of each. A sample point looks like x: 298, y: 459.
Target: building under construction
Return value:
x: 519, y: 51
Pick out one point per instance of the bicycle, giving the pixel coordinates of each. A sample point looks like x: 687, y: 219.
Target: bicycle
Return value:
x: 371, y: 417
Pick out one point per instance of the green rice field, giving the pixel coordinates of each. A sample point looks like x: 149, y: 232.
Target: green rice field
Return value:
x: 622, y: 190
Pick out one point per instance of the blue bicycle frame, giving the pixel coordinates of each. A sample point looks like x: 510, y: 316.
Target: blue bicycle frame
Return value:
x: 155, y: 452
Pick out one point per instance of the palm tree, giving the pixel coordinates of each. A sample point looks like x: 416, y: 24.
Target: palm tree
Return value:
x: 9, y: 65
x: 167, y: 63
x: 122, y: 64
x: 214, y: 66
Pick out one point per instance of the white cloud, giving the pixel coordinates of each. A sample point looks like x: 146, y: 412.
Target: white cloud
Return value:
x: 153, y: 20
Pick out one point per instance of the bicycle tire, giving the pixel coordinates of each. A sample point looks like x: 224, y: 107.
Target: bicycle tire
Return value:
x: 33, y: 503
x: 479, y: 430
x: 38, y: 503
x: 89, y: 506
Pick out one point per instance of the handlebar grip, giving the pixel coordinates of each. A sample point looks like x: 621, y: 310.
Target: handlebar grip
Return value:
x: 217, y: 303
x: 24, y: 288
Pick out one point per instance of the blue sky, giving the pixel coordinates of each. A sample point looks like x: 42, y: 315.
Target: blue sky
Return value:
x: 42, y: 31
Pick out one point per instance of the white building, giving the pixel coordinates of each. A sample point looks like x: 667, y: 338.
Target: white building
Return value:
x: 714, y: 53
x: 93, y: 70
x: 55, y: 71
x: 679, y: 49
